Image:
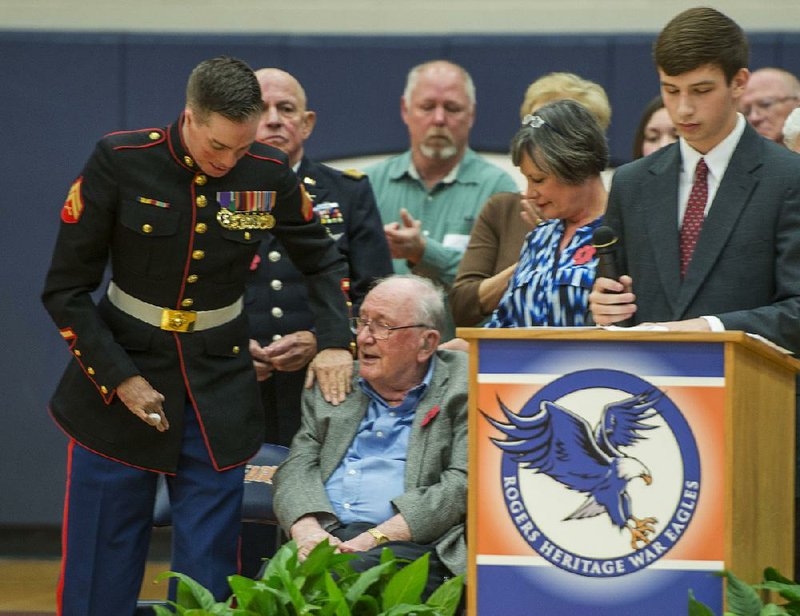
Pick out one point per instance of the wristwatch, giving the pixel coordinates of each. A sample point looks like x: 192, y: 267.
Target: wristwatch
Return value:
x: 380, y: 538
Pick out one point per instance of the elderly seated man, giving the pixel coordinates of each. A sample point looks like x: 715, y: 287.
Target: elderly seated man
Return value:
x: 388, y: 467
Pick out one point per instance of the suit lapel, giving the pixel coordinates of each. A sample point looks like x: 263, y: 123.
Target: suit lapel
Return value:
x: 342, y: 430
x: 661, y: 220
x: 421, y: 435
x: 732, y: 195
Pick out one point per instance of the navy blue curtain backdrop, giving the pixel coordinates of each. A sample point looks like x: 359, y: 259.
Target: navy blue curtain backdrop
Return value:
x: 62, y: 91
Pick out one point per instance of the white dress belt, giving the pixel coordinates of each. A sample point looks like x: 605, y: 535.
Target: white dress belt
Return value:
x: 172, y: 320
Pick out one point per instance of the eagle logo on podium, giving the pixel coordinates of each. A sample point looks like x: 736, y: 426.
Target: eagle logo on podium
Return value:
x: 562, y: 445
x: 600, y: 471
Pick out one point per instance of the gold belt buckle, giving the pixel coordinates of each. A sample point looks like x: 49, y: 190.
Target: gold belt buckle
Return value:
x: 178, y: 320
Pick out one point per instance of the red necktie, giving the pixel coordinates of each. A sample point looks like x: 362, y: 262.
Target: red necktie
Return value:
x: 694, y: 215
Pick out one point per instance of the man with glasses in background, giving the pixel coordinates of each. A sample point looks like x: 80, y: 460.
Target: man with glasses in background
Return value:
x: 770, y: 96
x: 389, y: 465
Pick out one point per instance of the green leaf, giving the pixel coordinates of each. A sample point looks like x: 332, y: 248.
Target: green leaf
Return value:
x: 406, y: 608
x: 190, y: 594
x: 447, y: 597
x: 406, y: 585
x: 742, y: 598
x: 320, y: 557
x: 696, y: 608
x: 160, y: 610
x: 792, y: 607
x: 772, y: 610
x: 790, y: 591
x: 366, y: 605
x: 336, y: 604
x: 243, y: 588
x: 771, y: 574
x: 255, y: 595
x: 366, y: 579
x: 285, y: 559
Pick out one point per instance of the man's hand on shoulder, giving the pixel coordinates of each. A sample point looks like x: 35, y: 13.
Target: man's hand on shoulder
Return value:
x: 333, y: 370
x: 455, y: 344
x: 612, y: 301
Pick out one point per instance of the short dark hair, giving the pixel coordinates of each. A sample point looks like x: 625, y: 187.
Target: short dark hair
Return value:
x: 701, y: 36
x: 565, y: 141
x: 654, y: 105
x: 226, y: 86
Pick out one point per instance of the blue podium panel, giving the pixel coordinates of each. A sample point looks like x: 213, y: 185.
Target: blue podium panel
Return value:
x: 600, y: 473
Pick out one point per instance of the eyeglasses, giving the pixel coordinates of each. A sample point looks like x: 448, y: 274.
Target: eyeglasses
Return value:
x: 378, y: 330
x: 765, y: 104
x: 535, y: 121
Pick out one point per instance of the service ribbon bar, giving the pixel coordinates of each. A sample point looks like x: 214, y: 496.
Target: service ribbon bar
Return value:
x: 247, y: 201
x: 156, y: 202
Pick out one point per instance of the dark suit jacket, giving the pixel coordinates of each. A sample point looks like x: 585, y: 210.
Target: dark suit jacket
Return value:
x: 277, y: 301
x: 434, y: 504
x: 746, y: 266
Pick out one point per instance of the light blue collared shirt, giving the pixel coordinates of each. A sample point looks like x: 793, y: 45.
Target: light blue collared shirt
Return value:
x: 372, y: 471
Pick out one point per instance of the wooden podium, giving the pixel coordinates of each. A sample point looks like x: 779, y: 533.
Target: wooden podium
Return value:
x: 612, y: 471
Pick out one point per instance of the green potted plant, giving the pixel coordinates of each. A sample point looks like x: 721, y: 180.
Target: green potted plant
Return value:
x: 746, y: 599
x: 323, y: 584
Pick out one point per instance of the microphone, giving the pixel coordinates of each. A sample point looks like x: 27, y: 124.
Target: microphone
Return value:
x: 605, y: 243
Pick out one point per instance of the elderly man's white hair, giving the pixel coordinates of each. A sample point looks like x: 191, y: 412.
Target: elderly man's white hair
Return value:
x: 791, y: 130
x: 429, y: 299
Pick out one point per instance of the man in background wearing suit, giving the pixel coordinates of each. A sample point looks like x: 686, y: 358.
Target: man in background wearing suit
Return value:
x: 744, y: 270
x: 277, y: 301
x: 282, y: 328
x: 389, y: 465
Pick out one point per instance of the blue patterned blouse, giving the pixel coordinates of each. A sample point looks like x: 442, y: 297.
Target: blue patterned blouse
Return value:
x: 543, y: 291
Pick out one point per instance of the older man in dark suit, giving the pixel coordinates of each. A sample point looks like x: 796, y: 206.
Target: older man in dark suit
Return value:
x: 718, y: 248
x: 389, y: 465
x: 282, y: 325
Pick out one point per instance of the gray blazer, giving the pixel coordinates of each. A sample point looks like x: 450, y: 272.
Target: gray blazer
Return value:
x: 434, y: 503
x: 746, y: 266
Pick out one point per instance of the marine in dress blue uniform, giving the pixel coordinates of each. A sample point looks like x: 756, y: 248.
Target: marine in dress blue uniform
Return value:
x: 179, y: 242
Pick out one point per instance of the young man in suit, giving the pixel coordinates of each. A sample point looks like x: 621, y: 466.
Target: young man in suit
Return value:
x: 741, y: 270
x: 389, y: 465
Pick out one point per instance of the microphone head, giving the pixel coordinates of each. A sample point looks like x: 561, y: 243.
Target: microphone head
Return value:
x: 604, y: 237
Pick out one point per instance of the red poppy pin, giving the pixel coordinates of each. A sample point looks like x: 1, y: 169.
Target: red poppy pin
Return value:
x: 584, y: 254
x: 430, y: 415
x: 254, y: 263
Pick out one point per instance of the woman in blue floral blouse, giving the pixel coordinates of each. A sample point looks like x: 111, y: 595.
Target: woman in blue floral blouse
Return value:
x: 561, y: 151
